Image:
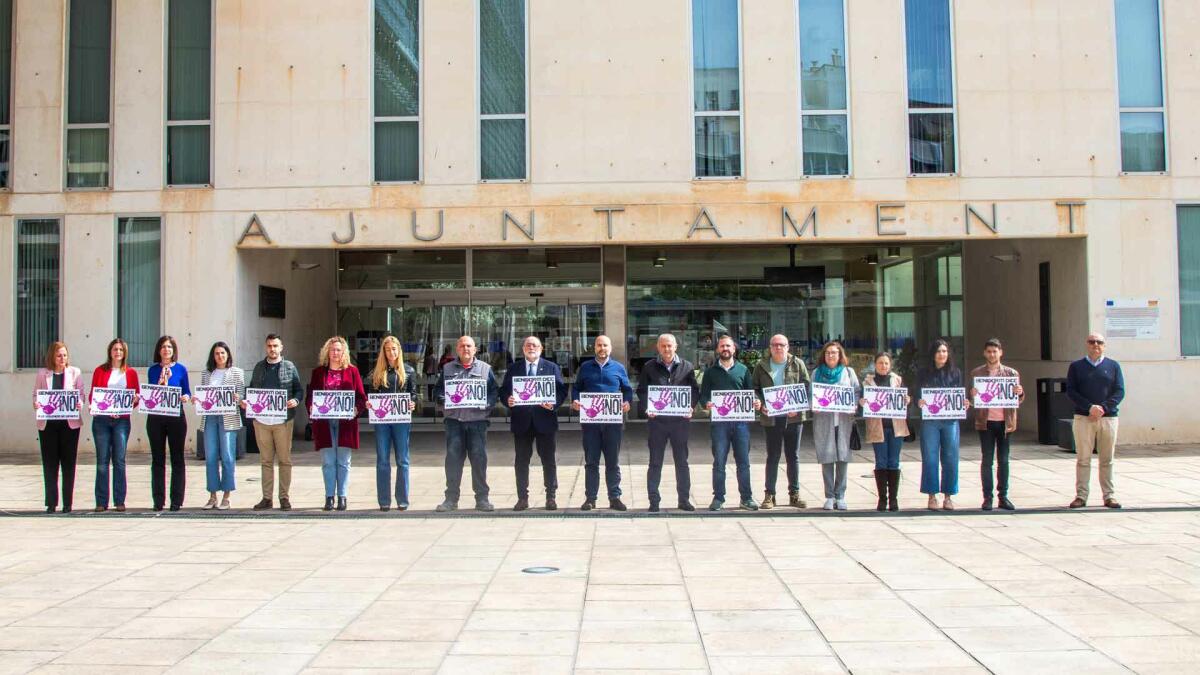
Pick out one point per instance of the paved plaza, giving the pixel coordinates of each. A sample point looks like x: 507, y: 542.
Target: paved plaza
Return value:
x: 1043, y: 589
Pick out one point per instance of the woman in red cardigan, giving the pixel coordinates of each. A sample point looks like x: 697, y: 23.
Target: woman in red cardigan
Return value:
x: 111, y: 432
x: 335, y: 438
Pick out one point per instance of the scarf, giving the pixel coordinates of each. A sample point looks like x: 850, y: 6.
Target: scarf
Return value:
x: 826, y: 375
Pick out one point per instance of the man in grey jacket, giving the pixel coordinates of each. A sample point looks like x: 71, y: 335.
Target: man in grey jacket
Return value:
x: 467, y: 379
x: 274, y: 437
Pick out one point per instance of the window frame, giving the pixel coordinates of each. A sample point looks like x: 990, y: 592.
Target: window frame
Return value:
x: 740, y: 113
x: 420, y: 116
x: 6, y: 185
x: 480, y: 117
x: 1162, y: 70
x: 212, y: 93
x: 829, y: 112
x: 1179, y: 205
x: 116, y: 258
x: 15, y: 331
x: 952, y: 110
x: 66, y: 92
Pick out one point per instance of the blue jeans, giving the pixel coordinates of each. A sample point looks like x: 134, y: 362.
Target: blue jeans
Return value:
x: 602, y: 440
x: 463, y: 440
x: 724, y: 435
x: 887, y: 453
x: 220, y: 446
x: 939, y: 446
x: 112, y: 435
x: 389, y: 438
x: 335, y: 465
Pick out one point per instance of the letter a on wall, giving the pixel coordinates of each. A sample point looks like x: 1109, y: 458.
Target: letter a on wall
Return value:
x: 254, y: 228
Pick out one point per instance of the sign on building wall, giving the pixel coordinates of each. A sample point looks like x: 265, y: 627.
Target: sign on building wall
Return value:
x: 1131, y: 319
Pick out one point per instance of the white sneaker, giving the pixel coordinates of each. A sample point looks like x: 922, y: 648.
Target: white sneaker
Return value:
x: 828, y: 504
x: 841, y: 505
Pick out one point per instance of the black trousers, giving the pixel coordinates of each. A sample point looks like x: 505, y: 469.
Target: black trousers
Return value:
x: 660, y: 431
x: 546, y: 446
x: 164, y: 432
x: 783, y: 440
x: 993, y: 442
x: 60, y: 448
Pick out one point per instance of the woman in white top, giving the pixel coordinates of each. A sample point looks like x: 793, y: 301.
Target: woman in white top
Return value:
x: 221, y: 431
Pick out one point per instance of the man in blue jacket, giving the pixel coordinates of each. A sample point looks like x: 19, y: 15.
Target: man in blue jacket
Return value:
x: 533, y: 423
x: 602, y: 375
x: 1096, y: 387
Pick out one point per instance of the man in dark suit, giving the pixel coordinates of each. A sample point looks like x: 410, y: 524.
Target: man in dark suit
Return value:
x: 534, y: 423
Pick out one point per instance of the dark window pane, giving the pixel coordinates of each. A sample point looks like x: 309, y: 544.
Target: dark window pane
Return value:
x: 826, y: 145
x: 502, y: 57
x: 6, y: 15
x: 715, y: 55
x: 1139, y: 60
x: 139, y: 285
x: 88, y: 61
x: 87, y: 158
x: 1189, y: 280
x: 397, y: 151
x: 822, y: 55
x: 189, y: 57
x: 397, y: 58
x: 1143, y: 142
x: 927, y: 28
x: 187, y: 155
x: 502, y: 149
x: 5, y: 156
x: 37, y: 290
x: 931, y: 142
x: 718, y: 146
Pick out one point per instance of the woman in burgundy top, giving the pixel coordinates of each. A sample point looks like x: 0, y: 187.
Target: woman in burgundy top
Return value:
x: 335, y: 438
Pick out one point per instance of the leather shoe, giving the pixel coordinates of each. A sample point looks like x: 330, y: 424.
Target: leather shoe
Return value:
x: 120, y: 508
x: 653, y: 507
x: 484, y: 505
x: 101, y: 509
x: 284, y: 504
x: 1007, y: 505
x: 1077, y: 503
x: 1112, y: 503
x: 686, y: 506
x: 265, y: 504
x: 341, y: 504
x: 551, y: 504
x: 522, y: 504
x: 385, y: 508
x: 588, y: 505
x: 616, y: 504
x: 328, y: 504
x: 987, y: 505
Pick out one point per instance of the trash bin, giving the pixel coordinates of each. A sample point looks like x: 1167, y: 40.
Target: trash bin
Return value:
x: 1052, y: 405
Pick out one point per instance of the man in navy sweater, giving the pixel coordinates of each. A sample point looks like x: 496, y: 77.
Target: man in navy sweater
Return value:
x: 602, y: 375
x: 1096, y: 387
x: 533, y: 423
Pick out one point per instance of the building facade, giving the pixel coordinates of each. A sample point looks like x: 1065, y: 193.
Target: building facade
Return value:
x: 883, y: 172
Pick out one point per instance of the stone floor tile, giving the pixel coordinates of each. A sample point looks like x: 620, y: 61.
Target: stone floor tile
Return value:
x: 389, y: 629
x: 621, y: 655
x: 1134, y: 651
x: 765, y: 643
x: 270, y: 641
x: 381, y: 654
x: 516, y: 643
x: 469, y: 664
x: 1051, y: 663
x: 171, y: 627
x: 793, y: 665
x: 131, y: 652
x: 498, y: 619
x: 639, y: 631
x: 982, y: 640
x: 915, y: 656
x: 46, y: 639
x: 207, y: 663
x: 24, y: 661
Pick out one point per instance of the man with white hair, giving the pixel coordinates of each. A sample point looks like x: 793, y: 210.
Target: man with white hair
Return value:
x: 532, y: 424
x: 667, y: 370
x: 1096, y: 387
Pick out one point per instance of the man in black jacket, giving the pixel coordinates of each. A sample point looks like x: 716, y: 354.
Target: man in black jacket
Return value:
x: 668, y: 370
x: 533, y: 423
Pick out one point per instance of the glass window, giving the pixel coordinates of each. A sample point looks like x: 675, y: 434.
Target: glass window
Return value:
x: 716, y: 67
x: 37, y: 301
x: 89, y: 51
x: 1189, y: 280
x: 139, y: 271
x: 417, y: 268
x: 1143, y: 142
x: 397, y: 90
x: 6, y: 15
x: 189, y: 78
x: 503, y: 138
x: 826, y: 145
x: 1140, y: 84
x: 930, y: 58
x: 536, y: 267
x: 823, y: 91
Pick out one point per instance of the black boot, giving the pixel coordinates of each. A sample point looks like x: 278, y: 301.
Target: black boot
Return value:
x: 341, y: 504
x: 881, y: 488
x: 329, y: 503
x: 893, y: 481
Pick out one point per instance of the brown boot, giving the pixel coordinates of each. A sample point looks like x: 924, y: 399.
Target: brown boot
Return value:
x: 881, y: 488
x: 768, y: 501
x: 893, y: 480
x: 795, y: 501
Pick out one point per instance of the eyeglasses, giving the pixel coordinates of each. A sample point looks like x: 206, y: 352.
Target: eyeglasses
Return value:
x: 779, y: 344
x: 1095, y: 342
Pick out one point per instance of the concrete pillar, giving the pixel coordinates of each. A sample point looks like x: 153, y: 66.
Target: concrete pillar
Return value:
x: 612, y: 278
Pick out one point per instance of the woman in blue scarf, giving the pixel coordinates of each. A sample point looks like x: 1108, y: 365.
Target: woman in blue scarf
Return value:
x: 831, y: 431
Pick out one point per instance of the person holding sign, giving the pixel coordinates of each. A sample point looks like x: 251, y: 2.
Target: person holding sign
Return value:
x: 834, y: 386
x: 468, y: 392
x: 1096, y: 387
x: 996, y: 392
x: 392, y: 376
x: 939, y: 435
x: 275, y: 375
x: 169, y: 429
x: 669, y: 412
x: 111, y: 429
x: 221, y: 431
x: 722, y: 393
x: 335, y: 417
x: 602, y: 375
x: 58, y: 411
x: 886, y: 434
x: 783, y: 431
x: 532, y: 391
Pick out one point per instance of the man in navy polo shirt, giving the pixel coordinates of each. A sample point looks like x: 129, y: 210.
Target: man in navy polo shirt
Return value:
x: 1096, y: 387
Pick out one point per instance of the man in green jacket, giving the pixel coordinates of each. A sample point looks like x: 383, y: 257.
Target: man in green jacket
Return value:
x: 783, y: 432
x: 729, y: 374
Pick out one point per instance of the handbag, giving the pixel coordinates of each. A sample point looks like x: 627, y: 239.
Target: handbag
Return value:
x: 855, y: 441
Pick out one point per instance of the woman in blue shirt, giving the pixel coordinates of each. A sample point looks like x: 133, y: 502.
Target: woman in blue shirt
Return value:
x: 168, y: 430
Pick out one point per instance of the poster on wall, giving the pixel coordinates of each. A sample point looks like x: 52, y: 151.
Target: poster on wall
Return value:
x: 1131, y: 319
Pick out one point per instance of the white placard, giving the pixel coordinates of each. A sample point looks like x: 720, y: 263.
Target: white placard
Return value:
x: 1131, y: 318
x: 601, y: 408
x: 534, y: 390
x: 885, y: 402
x: 107, y: 401
x: 466, y: 392
x: 786, y: 399
x: 944, y: 403
x: 733, y: 405
x: 160, y: 400
x: 997, y: 392
x: 212, y: 400
x: 268, y: 406
x: 669, y: 401
x: 58, y: 404
x: 390, y: 408
x: 333, y: 404
x: 833, y: 398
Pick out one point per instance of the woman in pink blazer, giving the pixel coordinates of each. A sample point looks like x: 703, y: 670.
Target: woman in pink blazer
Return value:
x: 59, y: 439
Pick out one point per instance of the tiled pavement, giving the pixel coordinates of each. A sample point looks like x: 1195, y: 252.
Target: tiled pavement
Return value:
x: 1039, y: 590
